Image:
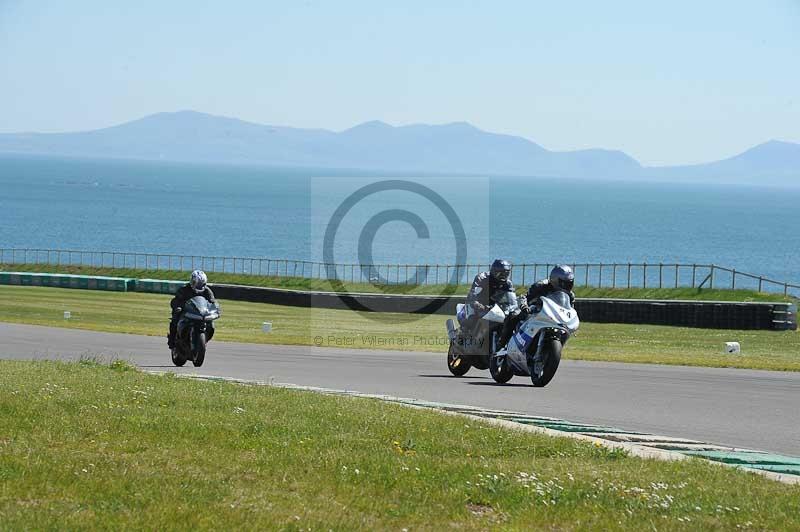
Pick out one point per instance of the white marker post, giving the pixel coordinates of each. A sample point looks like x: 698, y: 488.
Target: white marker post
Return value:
x: 732, y: 348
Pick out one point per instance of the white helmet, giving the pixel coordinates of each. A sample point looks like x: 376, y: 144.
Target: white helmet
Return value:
x: 198, y: 281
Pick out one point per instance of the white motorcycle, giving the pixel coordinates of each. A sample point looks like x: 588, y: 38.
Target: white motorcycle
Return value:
x: 473, y: 346
x: 535, y: 348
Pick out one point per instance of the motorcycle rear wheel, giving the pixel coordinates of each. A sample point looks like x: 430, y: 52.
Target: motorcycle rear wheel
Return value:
x: 457, y: 365
x: 551, y: 352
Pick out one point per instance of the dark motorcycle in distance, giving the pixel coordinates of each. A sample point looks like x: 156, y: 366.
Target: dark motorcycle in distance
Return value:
x: 195, y: 330
x: 473, y: 348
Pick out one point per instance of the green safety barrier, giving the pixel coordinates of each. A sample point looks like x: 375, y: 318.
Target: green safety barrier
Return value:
x: 63, y: 280
x: 158, y: 286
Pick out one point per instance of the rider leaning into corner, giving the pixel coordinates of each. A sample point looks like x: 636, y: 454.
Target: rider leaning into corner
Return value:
x: 561, y: 278
x: 197, y: 286
x: 485, y: 285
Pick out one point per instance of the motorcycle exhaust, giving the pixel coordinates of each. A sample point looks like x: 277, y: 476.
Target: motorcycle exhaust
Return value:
x: 451, y: 329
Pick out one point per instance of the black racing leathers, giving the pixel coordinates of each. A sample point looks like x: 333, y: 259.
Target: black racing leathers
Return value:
x: 532, y: 298
x: 483, y: 288
x: 480, y: 299
x: 184, y: 294
x: 542, y: 288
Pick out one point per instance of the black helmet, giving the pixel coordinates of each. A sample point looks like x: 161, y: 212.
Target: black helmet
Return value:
x: 500, y: 270
x: 562, y: 278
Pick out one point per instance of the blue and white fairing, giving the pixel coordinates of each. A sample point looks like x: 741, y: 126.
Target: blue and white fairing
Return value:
x: 557, y: 314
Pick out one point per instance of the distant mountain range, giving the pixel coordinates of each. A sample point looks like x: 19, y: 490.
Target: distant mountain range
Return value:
x: 457, y: 148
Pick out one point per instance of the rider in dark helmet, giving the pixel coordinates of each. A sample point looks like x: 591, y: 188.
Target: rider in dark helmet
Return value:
x: 487, y: 284
x: 561, y: 278
x: 197, y: 286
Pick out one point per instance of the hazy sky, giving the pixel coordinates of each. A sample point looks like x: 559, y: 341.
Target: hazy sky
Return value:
x: 669, y: 83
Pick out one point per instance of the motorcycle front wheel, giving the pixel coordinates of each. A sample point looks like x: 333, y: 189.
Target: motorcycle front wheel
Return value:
x: 457, y: 365
x: 499, y: 369
x: 199, y: 345
x: 551, y: 353
x: 177, y: 359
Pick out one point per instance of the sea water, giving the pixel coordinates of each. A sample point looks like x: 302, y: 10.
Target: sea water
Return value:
x: 117, y: 205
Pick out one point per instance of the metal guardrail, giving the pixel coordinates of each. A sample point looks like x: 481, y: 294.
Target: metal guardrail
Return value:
x: 704, y: 314
x: 612, y: 275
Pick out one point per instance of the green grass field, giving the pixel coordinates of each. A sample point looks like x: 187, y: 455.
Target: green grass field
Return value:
x: 87, y: 446
x: 297, y: 283
x: 149, y: 314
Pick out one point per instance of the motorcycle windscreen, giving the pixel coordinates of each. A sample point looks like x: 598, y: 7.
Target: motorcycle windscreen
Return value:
x: 200, y: 305
x: 506, y: 299
x: 560, y: 298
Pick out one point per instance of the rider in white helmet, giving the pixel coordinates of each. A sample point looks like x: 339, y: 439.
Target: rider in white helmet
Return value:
x: 197, y: 286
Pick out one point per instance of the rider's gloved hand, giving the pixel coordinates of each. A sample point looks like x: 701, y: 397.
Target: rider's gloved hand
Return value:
x: 479, y: 307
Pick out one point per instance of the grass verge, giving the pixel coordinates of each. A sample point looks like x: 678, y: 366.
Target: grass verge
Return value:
x: 241, y: 321
x: 298, y: 283
x: 84, y: 445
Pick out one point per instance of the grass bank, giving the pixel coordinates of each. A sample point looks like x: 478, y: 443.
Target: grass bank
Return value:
x: 89, y: 446
x: 241, y: 322
x: 297, y: 283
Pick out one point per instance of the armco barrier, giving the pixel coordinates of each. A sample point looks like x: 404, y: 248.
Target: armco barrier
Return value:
x: 333, y: 300
x: 157, y: 286
x: 58, y: 280
x: 703, y: 314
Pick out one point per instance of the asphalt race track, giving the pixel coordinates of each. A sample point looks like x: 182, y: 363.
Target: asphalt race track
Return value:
x: 741, y: 408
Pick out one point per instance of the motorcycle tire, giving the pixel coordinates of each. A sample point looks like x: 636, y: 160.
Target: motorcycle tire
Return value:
x: 177, y: 359
x: 199, y: 349
x: 457, y: 364
x: 551, y: 350
x: 499, y: 369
